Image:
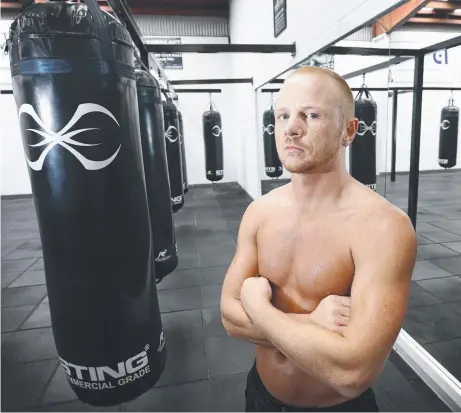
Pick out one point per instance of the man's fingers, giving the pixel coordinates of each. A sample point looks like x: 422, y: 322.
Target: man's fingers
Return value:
x: 342, y: 321
x: 346, y: 311
x: 345, y: 301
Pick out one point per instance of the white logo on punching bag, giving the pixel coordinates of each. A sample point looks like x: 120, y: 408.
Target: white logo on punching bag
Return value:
x: 216, y: 131
x: 65, y: 139
x: 162, y: 256
x: 109, y: 376
x: 445, y: 124
x: 270, y: 169
x: 171, y: 134
x: 364, y: 128
x: 269, y: 129
x: 218, y: 172
x: 176, y: 199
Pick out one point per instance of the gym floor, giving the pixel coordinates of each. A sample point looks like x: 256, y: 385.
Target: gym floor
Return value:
x: 206, y: 369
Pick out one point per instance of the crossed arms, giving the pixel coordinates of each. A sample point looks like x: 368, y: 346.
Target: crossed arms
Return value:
x: 349, y: 362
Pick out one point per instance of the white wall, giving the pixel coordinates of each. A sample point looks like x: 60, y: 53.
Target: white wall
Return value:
x: 13, y: 167
x: 192, y: 106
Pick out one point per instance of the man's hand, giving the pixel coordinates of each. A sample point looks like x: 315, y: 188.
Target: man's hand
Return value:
x: 332, y: 313
x: 255, y: 292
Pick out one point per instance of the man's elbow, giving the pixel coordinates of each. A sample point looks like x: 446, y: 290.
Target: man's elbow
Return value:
x: 352, y: 383
x: 229, y: 326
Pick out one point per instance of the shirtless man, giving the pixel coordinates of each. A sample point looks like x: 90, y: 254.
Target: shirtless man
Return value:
x: 324, y: 236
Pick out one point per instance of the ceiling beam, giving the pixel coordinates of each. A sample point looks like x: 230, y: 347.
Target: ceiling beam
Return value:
x: 443, y: 5
x: 397, y: 17
x: 435, y: 20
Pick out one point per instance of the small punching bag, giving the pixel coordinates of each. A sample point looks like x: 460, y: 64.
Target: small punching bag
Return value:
x: 185, y: 184
x: 173, y: 152
x: 156, y: 172
x: 212, y: 135
x: 448, y: 143
x: 73, y: 77
x: 362, y: 151
x: 274, y: 167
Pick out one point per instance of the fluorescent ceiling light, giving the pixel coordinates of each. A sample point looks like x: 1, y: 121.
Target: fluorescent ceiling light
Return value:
x: 427, y: 9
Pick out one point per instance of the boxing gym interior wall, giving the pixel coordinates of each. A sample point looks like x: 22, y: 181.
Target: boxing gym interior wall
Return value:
x: 14, y: 175
x: 192, y: 105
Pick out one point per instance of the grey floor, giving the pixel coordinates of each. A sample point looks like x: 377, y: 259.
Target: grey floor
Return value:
x: 206, y: 369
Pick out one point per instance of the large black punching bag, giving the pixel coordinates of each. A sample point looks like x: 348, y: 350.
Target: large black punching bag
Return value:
x: 173, y: 151
x: 212, y: 135
x: 156, y: 172
x: 448, y: 143
x: 274, y: 167
x: 78, y: 115
x: 362, y: 151
x: 185, y: 183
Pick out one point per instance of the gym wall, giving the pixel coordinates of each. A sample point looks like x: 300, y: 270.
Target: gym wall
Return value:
x: 15, y: 176
x: 192, y: 106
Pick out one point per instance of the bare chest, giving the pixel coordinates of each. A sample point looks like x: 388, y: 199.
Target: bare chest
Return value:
x: 305, y: 260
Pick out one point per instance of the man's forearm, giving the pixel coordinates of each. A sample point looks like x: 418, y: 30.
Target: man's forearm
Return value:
x: 315, y: 350
x: 238, y: 324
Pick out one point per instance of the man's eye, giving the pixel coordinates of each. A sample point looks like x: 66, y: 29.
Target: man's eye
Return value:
x: 312, y: 115
x: 283, y: 116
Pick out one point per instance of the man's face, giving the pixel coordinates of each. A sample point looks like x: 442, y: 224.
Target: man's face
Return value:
x: 309, y: 126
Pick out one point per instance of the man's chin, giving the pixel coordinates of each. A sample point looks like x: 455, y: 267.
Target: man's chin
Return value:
x: 297, y: 168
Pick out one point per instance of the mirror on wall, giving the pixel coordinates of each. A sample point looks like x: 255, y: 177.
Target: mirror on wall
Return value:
x: 367, y: 74
x: 434, y: 310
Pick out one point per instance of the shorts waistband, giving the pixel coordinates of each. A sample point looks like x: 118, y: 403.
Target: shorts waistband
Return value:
x: 253, y: 375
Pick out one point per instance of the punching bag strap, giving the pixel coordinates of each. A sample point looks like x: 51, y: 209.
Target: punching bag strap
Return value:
x: 363, y: 90
x: 102, y: 28
x: 211, y: 104
x: 451, y: 100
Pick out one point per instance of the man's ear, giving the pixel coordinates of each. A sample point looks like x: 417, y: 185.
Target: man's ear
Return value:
x: 351, y: 130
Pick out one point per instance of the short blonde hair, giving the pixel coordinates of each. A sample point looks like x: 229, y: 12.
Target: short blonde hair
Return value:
x: 348, y: 107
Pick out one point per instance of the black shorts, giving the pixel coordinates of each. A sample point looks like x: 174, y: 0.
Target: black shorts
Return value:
x: 258, y: 399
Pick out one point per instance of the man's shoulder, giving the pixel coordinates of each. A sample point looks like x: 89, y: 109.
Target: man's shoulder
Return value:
x: 380, y: 221
x: 261, y: 207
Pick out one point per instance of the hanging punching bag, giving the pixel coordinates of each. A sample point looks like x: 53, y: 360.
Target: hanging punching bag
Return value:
x: 79, y: 122
x: 362, y: 153
x: 274, y: 167
x: 156, y: 172
x: 183, y: 153
x: 173, y: 152
x: 212, y: 134
x: 448, y: 143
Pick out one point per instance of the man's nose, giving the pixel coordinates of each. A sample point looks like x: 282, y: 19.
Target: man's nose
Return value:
x: 294, y: 129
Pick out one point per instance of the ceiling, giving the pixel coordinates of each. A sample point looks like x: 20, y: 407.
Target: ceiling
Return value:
x: 218, y: 8
x: 438, y: 12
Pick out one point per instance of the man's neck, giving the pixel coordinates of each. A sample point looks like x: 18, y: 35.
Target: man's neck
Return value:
x: 319, y: 190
